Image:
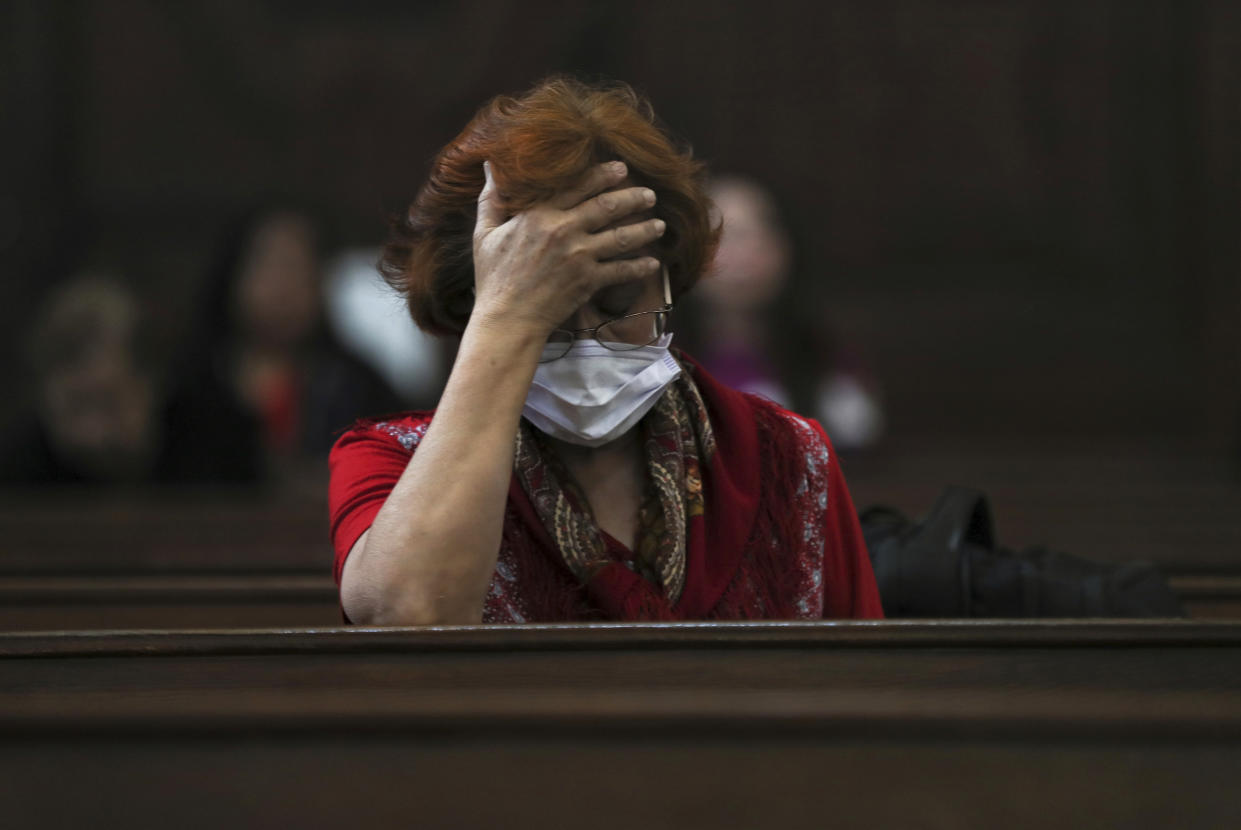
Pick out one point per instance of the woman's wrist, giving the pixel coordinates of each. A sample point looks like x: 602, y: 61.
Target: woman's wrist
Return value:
x: 506, y: 331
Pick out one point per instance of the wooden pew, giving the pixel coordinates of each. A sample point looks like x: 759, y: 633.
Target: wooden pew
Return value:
x: 245, y: 600
x: 206, y: 559
x: 952, y: 725
x: 227, y: 559
x: 1176, y: 503
x: 208, y: 531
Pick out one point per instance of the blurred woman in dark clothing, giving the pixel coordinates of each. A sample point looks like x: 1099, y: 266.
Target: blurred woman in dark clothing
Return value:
x: 98, y: 413
x: 262, y: 345
x: 760, y: 330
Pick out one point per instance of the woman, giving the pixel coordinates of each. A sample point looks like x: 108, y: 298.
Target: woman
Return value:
x: 575, y: 468
x: 264, y: 354
x: 755, y: 326
x: 101, y: 415
x: 94, y: 418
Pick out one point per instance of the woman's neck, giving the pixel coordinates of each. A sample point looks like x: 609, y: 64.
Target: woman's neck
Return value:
x: 612, y: 478
x: 622, y: 452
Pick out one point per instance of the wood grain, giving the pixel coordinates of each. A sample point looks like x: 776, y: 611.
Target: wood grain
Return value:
x: 953, y: 724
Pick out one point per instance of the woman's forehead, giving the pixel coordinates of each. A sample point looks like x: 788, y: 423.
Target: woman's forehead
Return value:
x: 652, y: 287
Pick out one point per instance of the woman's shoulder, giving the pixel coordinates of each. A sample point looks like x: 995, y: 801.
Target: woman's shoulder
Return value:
x: 771, y: 419
x: 793, y: 448
x: 777, y: 423
x: 401, y: 431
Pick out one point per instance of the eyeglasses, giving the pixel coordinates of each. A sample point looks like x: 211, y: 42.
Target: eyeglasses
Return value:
x: 622, y: 334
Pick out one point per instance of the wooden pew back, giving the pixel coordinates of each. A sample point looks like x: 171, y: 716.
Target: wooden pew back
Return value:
x: 960, y: 725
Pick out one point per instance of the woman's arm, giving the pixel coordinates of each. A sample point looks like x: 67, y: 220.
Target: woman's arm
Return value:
x: 430, y: 553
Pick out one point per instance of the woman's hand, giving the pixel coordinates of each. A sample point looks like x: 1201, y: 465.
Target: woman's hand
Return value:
x: 535, y: 269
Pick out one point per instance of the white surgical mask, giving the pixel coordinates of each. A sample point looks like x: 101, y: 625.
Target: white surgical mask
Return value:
x: 594, y: 395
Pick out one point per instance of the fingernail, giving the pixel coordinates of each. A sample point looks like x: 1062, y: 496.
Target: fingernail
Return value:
x: 652, y: 264
x: 648, y: 196
x: 617, y: 167
x: 660, y: 226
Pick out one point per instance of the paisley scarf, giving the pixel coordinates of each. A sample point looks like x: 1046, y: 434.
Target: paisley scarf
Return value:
x: 678, y: 441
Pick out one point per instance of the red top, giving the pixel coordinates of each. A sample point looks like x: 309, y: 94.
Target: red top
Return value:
x: 778, y: 539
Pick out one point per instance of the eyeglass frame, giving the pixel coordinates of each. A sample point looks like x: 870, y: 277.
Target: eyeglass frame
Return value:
x: 594, y: 330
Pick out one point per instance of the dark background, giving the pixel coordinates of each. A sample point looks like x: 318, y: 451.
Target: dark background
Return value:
x: 1023, y: 213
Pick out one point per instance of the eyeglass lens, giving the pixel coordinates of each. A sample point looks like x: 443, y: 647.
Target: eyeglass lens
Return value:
x: 630, y: 332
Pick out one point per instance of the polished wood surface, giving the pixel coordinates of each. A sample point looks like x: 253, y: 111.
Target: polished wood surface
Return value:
x: 50, y: 603
x: 1174, y: 503
x: 178, y: 531
x: 42, y: 603
x: 929, y: 724
x: 227, y: 560
x: 206, y: 559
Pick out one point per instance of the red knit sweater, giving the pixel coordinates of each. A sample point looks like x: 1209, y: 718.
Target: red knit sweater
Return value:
x: 779, y: 538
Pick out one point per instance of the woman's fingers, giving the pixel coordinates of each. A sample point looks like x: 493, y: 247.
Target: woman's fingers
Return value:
x: 610, y: 206
x: 625, y: 239
x: 622, y: 270
x: 490, y: 214
x: 597, y: 178
x: 570, y: 246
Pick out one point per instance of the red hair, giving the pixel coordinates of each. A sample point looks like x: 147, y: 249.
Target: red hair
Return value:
x: 540, y: 144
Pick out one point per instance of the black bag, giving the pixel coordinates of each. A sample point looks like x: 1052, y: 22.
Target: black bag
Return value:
x: 949, y: 566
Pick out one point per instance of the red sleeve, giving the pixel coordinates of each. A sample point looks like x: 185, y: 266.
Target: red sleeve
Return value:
x: 365, y: 464
x: 848, y: 579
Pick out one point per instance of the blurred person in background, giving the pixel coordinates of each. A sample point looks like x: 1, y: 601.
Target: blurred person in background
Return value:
x: 99, y: 415
x: 262, y: 346
x: 373, y: 322
x: 758, y: 330
x: 576, y: 467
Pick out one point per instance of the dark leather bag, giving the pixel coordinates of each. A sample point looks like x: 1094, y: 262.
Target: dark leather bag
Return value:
x: 948, y: 565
